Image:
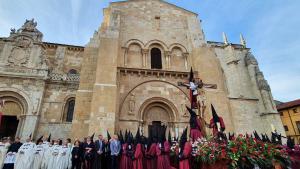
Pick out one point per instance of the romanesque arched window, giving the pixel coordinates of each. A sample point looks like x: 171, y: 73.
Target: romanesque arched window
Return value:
x: 69, y: 110
x: 156, y: 62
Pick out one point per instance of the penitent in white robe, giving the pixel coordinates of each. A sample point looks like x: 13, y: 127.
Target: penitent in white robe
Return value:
x: 53, y: 156
x: 3, y: 151
x: 46, y: 146
x: 38, y: 156
x: 63, y: 160
x: 24, y: 157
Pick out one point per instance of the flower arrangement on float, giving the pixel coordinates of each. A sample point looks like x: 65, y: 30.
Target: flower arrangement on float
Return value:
x: 243, y: 152
x: 240, y: 152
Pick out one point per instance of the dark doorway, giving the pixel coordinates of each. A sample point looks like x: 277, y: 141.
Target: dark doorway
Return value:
x: 156, y: 59
x: 9, y: 126
x: 155, y: 129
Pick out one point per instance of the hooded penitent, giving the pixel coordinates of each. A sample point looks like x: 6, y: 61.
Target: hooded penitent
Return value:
x: 138, y: 154
x: 216, y: 122
x: 194, y: 125
x: 185, y: 151
x: 183, y: 140
x: 137, y: 139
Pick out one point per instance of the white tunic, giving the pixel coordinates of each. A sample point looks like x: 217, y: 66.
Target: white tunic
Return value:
x: 38, y: 156
x: 3, y: 151
x: 63, y: 160
x: 53, y: 156
x: 24, y: 157
x: 46, y: 156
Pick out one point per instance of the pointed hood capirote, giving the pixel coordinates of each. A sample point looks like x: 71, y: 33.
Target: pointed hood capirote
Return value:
x: 126, y: 136
x: 256, y: 136
x: 92, y: 137
x: 38, y: 140
x: 108, y: 135
x: 137, y: 139
x: 121, y: 138
x: 183, y: 139
x: 191, y: 77
x: 193, y: 118
x: 170, y: 137
x: 214, y: 114
x: 49, y: 138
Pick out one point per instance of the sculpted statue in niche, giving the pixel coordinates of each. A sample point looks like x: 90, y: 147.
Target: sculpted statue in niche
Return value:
x: 131, y: 104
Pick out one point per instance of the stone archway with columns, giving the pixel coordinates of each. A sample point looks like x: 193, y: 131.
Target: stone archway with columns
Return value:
x: 20, y: 105
x: 157, y: 109
x: 16, y: 106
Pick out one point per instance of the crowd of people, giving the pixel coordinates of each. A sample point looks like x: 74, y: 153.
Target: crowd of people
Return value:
x: 114, y: 152
x: 117, y: 152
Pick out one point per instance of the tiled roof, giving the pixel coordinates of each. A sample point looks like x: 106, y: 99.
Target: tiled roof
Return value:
x: 288, y: 104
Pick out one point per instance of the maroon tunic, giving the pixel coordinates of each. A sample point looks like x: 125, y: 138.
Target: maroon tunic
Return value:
x: 167, y: 153
x: 213, y: 125
x: 151, y: 157
x: 196, y: 132
x: 126, y: 162
x: 184, y: 164
x: 163, y: 158
x: 138, y: 157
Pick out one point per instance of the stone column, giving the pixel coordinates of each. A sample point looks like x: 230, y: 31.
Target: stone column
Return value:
x: 125, y: 55
x: 185, y: 55
x: 168, y: 59
x: 145, y: 57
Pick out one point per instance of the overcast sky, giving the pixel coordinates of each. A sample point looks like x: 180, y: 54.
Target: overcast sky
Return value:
x: 271, y: 29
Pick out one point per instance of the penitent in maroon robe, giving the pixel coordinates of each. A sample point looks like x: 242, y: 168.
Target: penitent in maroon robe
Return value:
x: 196, y: 132
x: 167, y: 153
x: 126, y: 161
x: 184, y: 163
x: 163, y: 158
x: 151, y: 157
x: 215, y: 127
x: 138, y: 157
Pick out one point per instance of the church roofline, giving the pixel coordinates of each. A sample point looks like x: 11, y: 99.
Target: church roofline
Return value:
x: 181, y: 8
x: 67, y: 45
x: 222, y: 44
x: 50, y: 44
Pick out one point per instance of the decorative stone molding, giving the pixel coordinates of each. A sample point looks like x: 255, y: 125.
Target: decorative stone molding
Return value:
x: 64, y: 77
x: 150, y: 72
x: 250, y: 59
x: 23, y: 72
x: 261, y: 81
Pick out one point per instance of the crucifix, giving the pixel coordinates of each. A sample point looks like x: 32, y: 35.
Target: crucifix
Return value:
x: 195, y: 85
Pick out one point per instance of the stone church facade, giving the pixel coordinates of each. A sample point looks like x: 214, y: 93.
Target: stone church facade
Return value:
x: 126, y: 76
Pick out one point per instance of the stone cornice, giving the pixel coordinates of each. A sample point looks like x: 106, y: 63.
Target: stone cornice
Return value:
x: 23, y: 73
x: 152, y: 72
x: 69, y: 47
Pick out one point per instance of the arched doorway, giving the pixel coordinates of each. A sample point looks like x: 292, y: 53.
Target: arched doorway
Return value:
x: 156, y: 115
x: 14, y: 107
